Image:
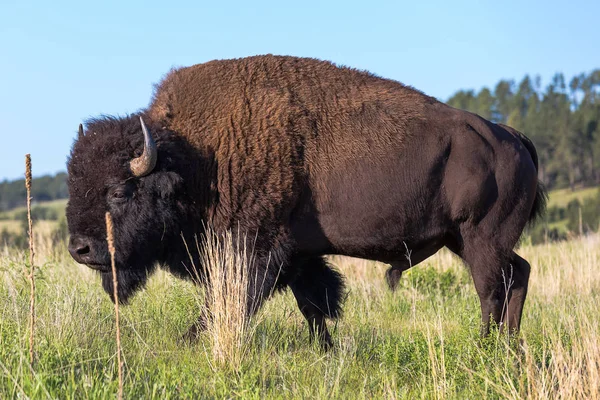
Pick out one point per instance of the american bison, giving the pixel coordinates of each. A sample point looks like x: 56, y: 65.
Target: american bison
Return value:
x: 309, y: 159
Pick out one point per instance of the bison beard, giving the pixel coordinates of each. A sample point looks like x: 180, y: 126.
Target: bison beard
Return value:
x: 128, y: 282
x: 310, y: 159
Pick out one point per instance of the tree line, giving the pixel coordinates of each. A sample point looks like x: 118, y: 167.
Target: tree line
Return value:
x: 562, y: 119
x: 44, y: 188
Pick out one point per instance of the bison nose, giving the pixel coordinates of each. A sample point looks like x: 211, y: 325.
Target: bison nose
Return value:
x: 80, y: 250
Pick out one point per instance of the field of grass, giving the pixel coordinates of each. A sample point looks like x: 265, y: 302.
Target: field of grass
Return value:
x: 11, y: 225
x: 56, y: 205
x: 420, y: 342
x: 10, y: 219
x: 16, y: 226
x: 562, y: 197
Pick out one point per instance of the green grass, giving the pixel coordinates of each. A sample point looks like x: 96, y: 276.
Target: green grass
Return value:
x: 55, y: 205
x: 10, y: 222
x: 562, y: 197
x: 16, y: 226
x: 420, y: 342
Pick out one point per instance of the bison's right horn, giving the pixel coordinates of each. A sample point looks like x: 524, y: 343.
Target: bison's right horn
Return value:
x: 80, y: 131
x: 145, y: 163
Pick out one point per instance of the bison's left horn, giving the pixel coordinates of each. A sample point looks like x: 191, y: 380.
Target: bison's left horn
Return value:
x: 80, y: 131
x: 145, y: 163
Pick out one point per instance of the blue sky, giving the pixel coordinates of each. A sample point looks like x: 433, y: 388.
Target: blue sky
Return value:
x: 64, y: 61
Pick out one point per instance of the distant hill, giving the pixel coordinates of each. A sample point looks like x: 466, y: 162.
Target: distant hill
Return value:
x: 43, y: 189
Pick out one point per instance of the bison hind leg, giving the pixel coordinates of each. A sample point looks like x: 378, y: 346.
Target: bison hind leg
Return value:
x: 518, y: 282
x: 501, y: 279
x: 319, y: 290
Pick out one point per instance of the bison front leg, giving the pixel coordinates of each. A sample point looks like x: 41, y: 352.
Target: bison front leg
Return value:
x: 197, y: 327
x: 318, y: 290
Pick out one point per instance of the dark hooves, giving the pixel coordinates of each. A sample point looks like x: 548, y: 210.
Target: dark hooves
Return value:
x: 326, y: 344
x: 192, y: 334
x: 324, y: 340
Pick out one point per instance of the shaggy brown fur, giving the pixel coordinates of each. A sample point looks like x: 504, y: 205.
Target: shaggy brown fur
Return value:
x: 272, y: 118
x: 311, y: 159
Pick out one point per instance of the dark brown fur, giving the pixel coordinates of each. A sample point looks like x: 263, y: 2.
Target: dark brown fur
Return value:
x: 314, y: 159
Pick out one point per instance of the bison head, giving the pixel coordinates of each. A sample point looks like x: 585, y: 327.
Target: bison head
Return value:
x: 135, y: 173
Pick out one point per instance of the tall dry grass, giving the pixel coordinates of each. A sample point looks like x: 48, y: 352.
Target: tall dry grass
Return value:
x: 565, y: 281
x: 228, y: 272
x: 31, y: 275
x: 111, y: 249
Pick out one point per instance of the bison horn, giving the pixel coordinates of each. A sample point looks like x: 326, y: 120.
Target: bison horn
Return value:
x: 80, y: 131
x: 145, y: 163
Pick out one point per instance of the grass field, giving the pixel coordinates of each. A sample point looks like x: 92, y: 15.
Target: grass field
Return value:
x: 56, y: 205
x: 9, y: 220
x: 420, y: 342
x: 562, y: 197
x: 16, y: 226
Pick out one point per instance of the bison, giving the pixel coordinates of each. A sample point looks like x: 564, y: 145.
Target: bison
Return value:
x: 309, y: 159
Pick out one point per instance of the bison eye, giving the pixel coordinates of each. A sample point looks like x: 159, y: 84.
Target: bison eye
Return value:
x: 118, y: 195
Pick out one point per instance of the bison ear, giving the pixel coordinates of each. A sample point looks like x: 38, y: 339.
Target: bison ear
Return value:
x: 165, y: 183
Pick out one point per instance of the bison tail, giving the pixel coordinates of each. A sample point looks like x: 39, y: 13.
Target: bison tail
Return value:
x: 541, y: 195
x: 539, y: 204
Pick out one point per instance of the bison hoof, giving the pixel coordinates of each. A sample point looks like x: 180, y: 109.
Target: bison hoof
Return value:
x: 324, y: 340
x: 326, y: 343
x: 193, y: 333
